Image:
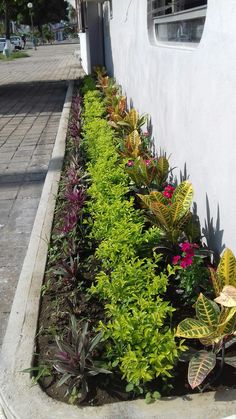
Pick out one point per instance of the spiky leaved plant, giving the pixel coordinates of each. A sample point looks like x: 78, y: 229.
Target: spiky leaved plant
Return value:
x: 73, y: 358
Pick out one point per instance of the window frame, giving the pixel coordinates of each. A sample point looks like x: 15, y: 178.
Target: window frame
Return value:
x: 175, y: 16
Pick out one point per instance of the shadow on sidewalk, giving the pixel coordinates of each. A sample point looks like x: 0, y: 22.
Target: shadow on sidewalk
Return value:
x: 21, y: 176
x: 19, y: 99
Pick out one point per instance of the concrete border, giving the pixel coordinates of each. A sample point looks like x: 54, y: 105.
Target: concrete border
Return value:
x: 18, y: 398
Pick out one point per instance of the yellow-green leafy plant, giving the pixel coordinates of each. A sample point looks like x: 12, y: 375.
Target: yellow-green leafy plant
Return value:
x: 215, y: 324
x: 130, y: 283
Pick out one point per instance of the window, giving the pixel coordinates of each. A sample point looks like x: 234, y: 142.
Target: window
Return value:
x: 178, y: 20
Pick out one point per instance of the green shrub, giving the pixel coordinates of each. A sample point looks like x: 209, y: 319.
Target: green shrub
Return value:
x: 138, y: 336
x: 89, y: 84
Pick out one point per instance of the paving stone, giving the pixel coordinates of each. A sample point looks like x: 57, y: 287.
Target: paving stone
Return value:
x: 4, y: 157
x: 31, y: 100
x: 30, y: 190
x: 8, y: 192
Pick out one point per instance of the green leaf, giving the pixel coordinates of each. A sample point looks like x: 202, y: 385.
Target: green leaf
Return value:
x: 176, y: 211
x: 132, y: 118
x: 115, y: 363
x: 95, y: 341
x: 227, y: 268
x: 133, y: 143
x: 156, y: 395
x: 64, y: 379
x: 148, y: 398
x: 183, y: 194
x: 207, y: 311
x: 193, y: 329
x: 216, y: 281
x: 200, y: 366
x: 227, y: 321
x: 129, y: 387
x: 163, y: 168
x: 162, y: 214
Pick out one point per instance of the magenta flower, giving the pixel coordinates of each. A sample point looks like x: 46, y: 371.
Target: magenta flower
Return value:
x: 130, y: 163
x: 186, y: 261
x: 168, y: 191
x: 185, y: 247
x: 175, y: 260
x: 148, y: 162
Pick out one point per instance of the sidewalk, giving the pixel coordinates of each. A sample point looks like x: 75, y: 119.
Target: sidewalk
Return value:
x: 32, y: 93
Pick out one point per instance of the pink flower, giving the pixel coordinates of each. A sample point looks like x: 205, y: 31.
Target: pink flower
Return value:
x: 168, y: 191
x: 175, y: 260
x: 185, y: 247
x: 146, y: 134
x: 148, y: 162
x: 186, y: 261
x: 188, y: 248
x: 130, y: 163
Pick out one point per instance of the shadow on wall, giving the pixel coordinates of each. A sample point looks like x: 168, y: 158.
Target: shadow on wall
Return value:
x: 213, y: 233
x: 107, y: 40
x: 211, y: 230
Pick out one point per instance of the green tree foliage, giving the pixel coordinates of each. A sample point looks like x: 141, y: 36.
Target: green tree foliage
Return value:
x: 44, y: 11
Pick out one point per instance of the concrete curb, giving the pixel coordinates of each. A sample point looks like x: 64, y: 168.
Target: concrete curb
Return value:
x: 22, y: 401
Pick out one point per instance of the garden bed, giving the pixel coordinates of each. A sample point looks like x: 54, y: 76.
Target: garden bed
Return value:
x: 88, y: 274
x: 126, y: 264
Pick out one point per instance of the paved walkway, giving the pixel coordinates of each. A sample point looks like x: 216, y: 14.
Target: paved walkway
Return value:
x: 32, y: 93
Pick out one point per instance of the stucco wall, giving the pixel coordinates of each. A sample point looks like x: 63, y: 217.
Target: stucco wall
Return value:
x: 190, y: 94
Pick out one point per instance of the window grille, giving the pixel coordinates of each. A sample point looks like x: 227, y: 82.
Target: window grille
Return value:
x: 178, y: 20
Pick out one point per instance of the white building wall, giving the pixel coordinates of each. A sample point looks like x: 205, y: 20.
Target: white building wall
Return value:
x: 190, y: 94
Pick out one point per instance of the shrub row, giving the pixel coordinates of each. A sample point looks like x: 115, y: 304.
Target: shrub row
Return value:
x: 139, y: 338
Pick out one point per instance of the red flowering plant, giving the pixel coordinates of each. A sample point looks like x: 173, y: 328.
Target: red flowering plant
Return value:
x: 168, y: 192
x: 187, y: 254
x: 193, y: 276
x: 169, y: 210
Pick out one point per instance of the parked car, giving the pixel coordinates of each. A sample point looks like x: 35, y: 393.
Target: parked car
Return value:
x: 16, y: 41
x: 2, y: 45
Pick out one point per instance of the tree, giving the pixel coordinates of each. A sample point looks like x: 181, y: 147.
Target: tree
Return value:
x: 44, y: 12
